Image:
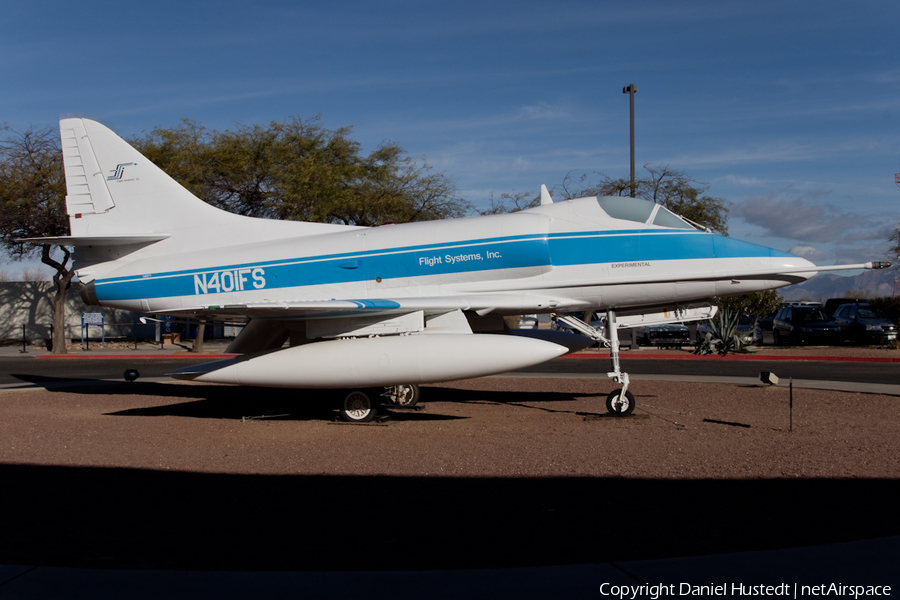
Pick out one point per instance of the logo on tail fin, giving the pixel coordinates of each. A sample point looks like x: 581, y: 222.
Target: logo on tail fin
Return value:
x: 119, y: 171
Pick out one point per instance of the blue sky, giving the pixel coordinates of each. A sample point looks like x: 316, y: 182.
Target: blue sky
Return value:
x: 789, y: 110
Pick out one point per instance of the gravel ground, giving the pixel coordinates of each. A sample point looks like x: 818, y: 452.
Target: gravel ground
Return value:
x: 492, y: 472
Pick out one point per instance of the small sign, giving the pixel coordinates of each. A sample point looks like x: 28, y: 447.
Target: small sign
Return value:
x: 88, y: 319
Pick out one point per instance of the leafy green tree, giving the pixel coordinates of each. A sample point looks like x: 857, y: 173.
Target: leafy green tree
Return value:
x: 299, y: 170
x: 33, y: 205
x: 184, y: 153
x: 755, y: 304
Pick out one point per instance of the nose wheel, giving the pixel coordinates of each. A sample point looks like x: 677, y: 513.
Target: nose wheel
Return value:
x: 620, y: 404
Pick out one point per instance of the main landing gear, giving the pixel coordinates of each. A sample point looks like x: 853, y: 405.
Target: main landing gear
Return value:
x: 406, y: 394
x: 361, y: 406
x: 358, y: 406
x: 619, y: 402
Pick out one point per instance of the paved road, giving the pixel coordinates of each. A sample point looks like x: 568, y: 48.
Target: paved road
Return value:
x: 25, y: 368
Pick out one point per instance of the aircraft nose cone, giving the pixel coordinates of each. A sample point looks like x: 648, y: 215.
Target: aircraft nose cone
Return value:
x: 794, y: 265
x: 799, y: 261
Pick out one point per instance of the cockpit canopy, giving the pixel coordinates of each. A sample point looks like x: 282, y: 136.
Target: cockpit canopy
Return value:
x: 641, y: 211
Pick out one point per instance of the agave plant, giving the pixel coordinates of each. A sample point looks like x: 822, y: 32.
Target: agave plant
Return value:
x: 724, y: 336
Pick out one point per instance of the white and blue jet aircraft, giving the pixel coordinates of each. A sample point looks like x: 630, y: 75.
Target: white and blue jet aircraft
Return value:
x: 335, y: 306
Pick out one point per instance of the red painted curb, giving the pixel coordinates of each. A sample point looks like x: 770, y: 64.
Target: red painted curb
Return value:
x: 131, y: 356
x: 751, y: 357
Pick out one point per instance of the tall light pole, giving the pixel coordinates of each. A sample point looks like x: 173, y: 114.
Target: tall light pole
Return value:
x: 630, y: 89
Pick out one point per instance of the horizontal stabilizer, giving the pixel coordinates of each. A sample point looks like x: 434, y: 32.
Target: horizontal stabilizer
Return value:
x: 102, y: 240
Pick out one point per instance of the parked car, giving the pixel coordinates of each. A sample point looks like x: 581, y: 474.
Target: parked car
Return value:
x: 670, y: 334
x: 764, y: 322
x: 832, y: 304
x: 803, y: 324
x: 861, y: 324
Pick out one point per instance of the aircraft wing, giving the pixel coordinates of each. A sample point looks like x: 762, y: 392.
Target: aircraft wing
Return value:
x: 323, y: 309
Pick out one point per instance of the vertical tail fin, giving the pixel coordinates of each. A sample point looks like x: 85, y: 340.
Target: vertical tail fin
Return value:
x: 81, y: 168
x: 113, y: 190
x: 122, y: 205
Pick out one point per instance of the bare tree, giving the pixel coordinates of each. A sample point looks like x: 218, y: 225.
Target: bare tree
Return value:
x: 673, y: 189
x: 33, y: 205
x: 894, y: 247
x: 511, y: 202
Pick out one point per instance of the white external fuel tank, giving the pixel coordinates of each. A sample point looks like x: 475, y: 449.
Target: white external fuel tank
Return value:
x: 389, y: 360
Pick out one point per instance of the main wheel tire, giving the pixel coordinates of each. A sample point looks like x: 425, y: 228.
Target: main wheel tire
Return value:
x: 620, y: 405
x: 358, y: 407
x: 406, y: 394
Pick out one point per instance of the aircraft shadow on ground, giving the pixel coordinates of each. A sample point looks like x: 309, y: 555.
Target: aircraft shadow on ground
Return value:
x: 449, y: 394
x: 131, y: 518
x: 239, y: 402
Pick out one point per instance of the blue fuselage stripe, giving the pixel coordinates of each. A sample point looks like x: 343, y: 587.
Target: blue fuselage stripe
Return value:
x: 530, y: 251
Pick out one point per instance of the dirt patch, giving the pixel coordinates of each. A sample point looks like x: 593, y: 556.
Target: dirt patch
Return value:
x: 493, y: 472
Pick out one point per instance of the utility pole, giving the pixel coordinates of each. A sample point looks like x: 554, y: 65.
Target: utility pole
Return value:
x: 630, y: 89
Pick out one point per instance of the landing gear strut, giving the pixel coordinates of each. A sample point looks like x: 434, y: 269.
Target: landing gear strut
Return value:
x: 405, y: 394
x: 619, y: 402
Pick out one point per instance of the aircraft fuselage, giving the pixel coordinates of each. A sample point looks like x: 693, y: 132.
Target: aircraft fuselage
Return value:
x: 572, y: 253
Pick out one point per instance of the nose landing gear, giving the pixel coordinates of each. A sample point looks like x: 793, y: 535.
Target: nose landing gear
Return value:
x: 619, y: 402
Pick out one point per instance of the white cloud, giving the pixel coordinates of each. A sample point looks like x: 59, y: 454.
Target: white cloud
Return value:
x: 542, y: 110
x: 889, y: 76
x: 807, y: 218
x: 808, y: 252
